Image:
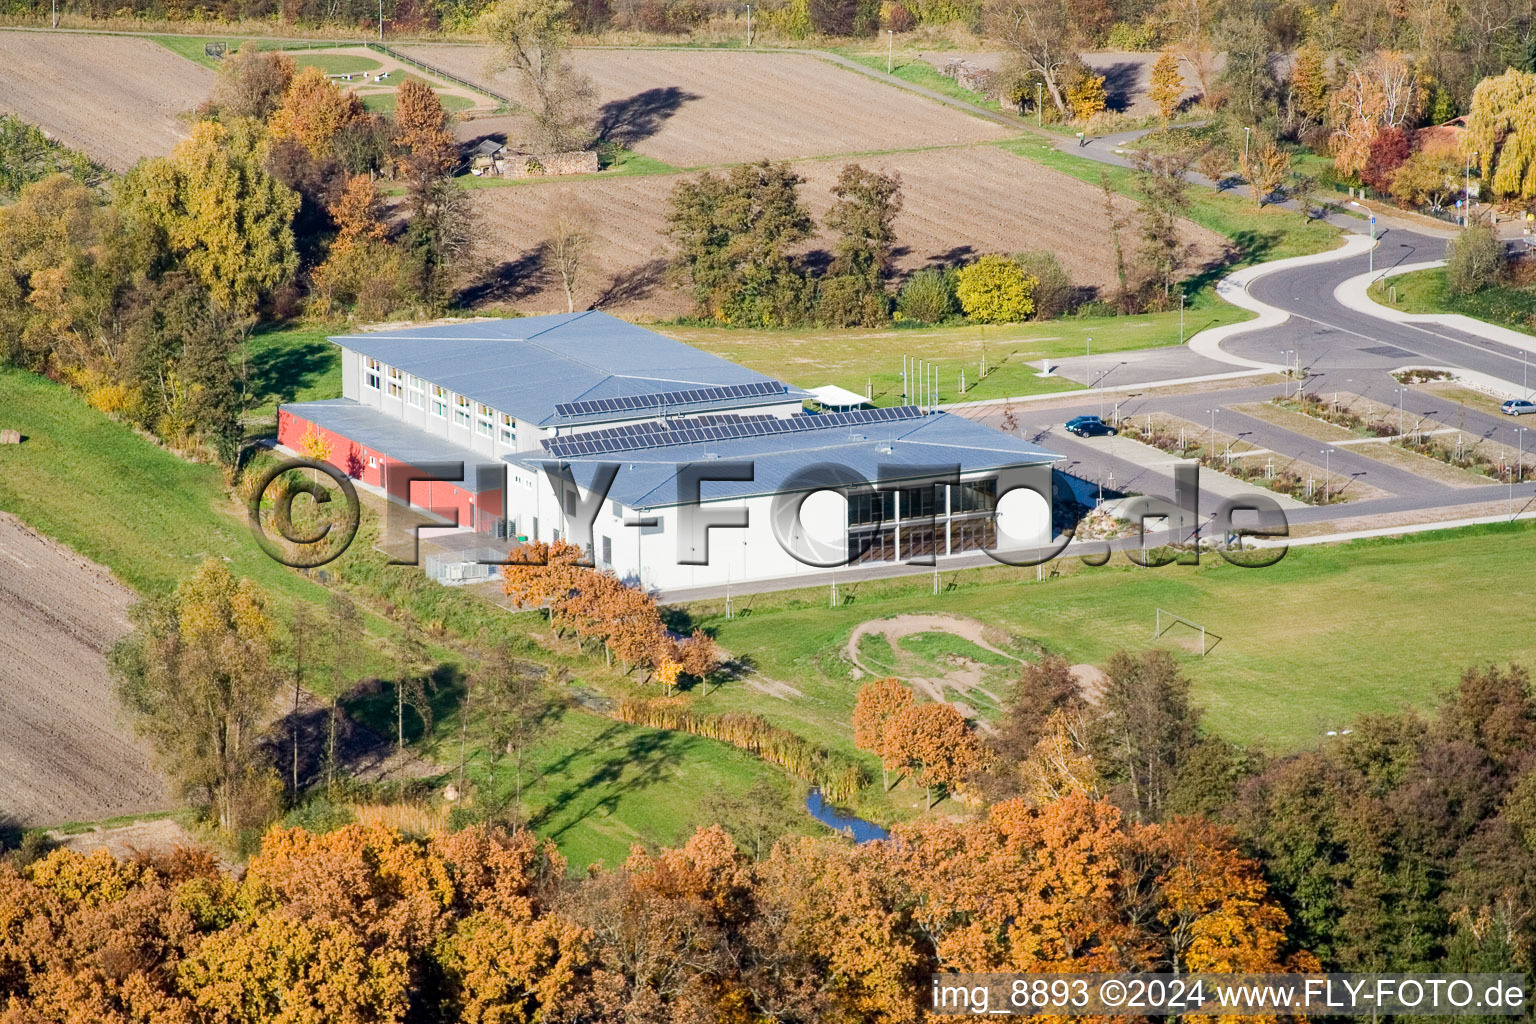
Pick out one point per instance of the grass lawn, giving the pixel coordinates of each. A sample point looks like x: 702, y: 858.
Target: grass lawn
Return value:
x: 854, y: 358
x: 384, y: 102
x: 914, y: 69
x: 337, y: 63
x: 290, y: 363
x: 1328, y: 633
x: 191, y: 47
x: 1426, y: 291
x: 1260, y: 234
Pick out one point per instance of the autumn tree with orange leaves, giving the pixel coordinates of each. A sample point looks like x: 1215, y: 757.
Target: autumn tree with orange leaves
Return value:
x: 936, y: 743
x: 486, y: 925
x: 424, y: 146
x: 877, y: 703
x: 596, y: 606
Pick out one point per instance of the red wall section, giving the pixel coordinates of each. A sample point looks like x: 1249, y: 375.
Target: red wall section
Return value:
x: 445, y: 499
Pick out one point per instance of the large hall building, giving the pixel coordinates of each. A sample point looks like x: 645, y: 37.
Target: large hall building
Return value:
x: 541, y: 411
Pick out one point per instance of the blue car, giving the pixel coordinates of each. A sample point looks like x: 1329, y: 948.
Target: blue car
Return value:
x: 1089, y: 426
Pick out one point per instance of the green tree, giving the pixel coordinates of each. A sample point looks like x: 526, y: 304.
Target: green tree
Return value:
x: 1147, y: 729
x: 532, y: 37
x: 1474, y: 260
x: 1162, y: 179
x: 926, y: 296
x: 227, y: 219
x: 438, y: 236
x: 197, y: 676
x: 512, y: 703
x: 995, y: 290
x: 863, y: 215
x: 1248, y: 76
x: 1054, y: 292
x: 734, y: 236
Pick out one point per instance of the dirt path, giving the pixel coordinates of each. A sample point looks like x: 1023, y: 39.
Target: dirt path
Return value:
x: 964, y: 679
x: 64, y: 756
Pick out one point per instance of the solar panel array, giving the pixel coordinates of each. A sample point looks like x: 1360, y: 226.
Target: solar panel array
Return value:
x: 633, y: 437
x: 666, y: 399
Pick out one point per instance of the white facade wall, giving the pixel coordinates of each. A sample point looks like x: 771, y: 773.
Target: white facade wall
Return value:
x: 649, y: 556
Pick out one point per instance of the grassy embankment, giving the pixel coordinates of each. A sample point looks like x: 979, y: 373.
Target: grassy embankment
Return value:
x: 1426, y: 291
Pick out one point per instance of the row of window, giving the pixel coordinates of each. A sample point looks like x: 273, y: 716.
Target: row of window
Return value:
x: 866, y: 508
x: 484, y: 420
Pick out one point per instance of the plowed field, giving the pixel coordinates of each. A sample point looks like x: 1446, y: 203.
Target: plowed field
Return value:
x: 691, y: 108
x: 64, y: 756
x: 959, y: 202
x: 114, y: 98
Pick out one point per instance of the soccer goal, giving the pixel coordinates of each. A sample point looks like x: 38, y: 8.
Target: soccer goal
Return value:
x: 1208, y: 640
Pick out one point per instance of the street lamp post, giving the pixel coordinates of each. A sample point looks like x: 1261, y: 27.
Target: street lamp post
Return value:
x: 1327, y: 473
x: 1181, y: 318
x: 1089, y: 350
x: 890, y: 48
x: 1247, y: 138
x: 1211, y: 445
x: 1370, y: 264
x: 749, y: 26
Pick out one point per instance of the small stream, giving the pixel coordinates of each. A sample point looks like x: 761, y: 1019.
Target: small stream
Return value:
x: 840, y: 821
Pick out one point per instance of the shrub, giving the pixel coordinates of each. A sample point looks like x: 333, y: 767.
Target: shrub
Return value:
x: 1474, y: 260
x: 995, y: 290
x: 849, y: 301
x: 792, y: 20
x: 896, y: 17
x: 927, y: 297
x: 845, y: 17
x: 1139, y: 38
x: 1053, y: 292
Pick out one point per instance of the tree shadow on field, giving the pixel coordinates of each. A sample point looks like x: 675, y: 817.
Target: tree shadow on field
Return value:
x: 641, y: 762
x: 510, y: 280
x: 638, y: 117
x: 281, y: 373
x: 953, y: 257
x: 632, y: 284
x: 1122, y: 80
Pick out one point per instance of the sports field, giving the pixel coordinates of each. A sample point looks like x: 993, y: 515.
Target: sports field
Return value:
x: 1305, y: 645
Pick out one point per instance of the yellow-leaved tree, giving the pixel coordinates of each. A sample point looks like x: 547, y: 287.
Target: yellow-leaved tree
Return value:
x: 1501, y: 133
x: 217, y: 208
x: 995, y: 290
x: 1167, y: 83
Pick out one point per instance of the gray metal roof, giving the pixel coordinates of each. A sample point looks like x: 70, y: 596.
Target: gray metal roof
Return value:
x: 526, y: 366
x: 647, y: 477
x: 385, y: 434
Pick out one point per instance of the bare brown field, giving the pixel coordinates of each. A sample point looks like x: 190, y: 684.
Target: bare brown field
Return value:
x: 693, y: 108
x: 959, y: 202
x: 114, y: 98
x: 63, y: 754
